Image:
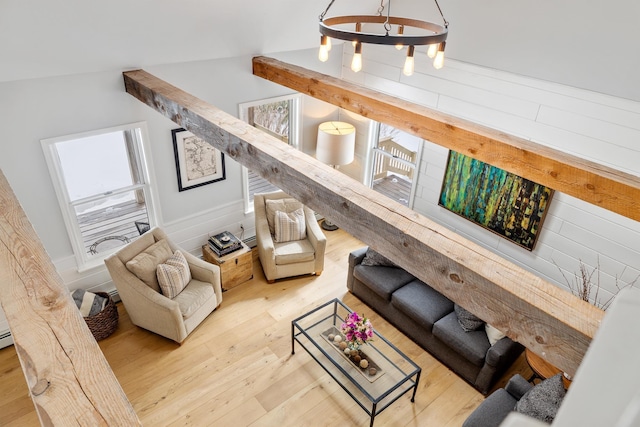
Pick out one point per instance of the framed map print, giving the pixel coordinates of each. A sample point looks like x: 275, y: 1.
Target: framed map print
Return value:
x: 198, y: 163
x: 502, y: 202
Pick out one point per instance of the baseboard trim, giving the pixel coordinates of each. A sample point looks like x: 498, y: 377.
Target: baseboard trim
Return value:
x: 251, y: 241
x: 114, y: 295
x: 6, y: 339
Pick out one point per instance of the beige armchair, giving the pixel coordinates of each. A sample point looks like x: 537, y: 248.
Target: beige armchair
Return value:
x: 287, y: 258
x: 133, y: 270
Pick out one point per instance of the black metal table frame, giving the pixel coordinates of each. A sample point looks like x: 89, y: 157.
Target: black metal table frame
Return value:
x: 374, y: 409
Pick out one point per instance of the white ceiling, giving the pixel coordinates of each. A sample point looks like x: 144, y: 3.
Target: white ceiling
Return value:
x: 584, y: 43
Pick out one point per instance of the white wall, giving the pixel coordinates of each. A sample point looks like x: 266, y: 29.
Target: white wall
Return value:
x: 36, y: 109
x: 575, y: 42
x: 588, y: 44
x: 601, y: 128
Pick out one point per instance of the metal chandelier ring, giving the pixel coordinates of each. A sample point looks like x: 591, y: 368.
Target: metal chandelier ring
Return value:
x: 439, y: 32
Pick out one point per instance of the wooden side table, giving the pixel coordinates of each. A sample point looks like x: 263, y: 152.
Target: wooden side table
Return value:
x: 235, y: 268
x: 543, y: 369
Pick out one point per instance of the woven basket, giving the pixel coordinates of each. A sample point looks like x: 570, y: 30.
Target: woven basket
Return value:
x: 104, y: 323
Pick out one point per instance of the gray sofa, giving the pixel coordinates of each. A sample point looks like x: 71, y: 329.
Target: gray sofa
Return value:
x: 541, y: 402
x: 429, y: 319
x: 496, y: 407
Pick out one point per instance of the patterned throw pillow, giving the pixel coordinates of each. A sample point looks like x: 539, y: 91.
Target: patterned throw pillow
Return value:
x: 290, y: 226
x: 173, y: 275
x: 543, y: 400
x: 373, y: 258
x: 467, y: 320
x: 284, y: 205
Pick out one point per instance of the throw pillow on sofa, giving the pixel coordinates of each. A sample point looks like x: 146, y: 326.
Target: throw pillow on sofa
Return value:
x: 543, y: 400
x: 283, y: 205
x: 467, y: 320
x: 290, y: 226
x: 493, y: 334
x: 174, y: 275
x: 373, y: 258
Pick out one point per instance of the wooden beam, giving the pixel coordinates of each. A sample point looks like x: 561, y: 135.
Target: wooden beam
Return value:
x: 594, y: 183
x: 543, y: 317
x: 69, y: 380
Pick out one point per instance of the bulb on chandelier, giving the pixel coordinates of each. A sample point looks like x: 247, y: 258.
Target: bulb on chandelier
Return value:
x: 379, y: 31
x: 409, y: 62
x: 323, y: 53
x: 433, y: 50
x: 399, y: 46
x: 439, y: 61
x: 356, y: 62
x: 358, y: 29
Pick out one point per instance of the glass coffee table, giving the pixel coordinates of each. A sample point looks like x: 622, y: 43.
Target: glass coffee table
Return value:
x: 394, y: 373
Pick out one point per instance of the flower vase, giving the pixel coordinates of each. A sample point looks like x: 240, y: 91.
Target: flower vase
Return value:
x: 354, y: 346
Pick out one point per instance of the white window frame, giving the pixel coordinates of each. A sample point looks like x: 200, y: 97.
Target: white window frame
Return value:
x: 372, y: 149
x: 139, y: 134
x: 295, y: 105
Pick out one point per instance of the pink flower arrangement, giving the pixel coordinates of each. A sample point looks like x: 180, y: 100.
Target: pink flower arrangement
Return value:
x: 357, y: 329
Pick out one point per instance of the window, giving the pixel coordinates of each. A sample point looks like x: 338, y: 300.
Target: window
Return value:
x: 102, y: 184
x: 279, y: 117
x: 393, y: 159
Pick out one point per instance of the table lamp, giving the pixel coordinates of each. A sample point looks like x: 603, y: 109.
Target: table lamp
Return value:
x: 335, y: 147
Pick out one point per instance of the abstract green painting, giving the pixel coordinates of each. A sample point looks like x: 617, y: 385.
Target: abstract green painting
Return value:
x: 500, y: 201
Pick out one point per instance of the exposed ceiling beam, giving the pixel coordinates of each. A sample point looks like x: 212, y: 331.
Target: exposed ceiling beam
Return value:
x: 69, y: 380
x: 540, y: 315
x: 594, y: 183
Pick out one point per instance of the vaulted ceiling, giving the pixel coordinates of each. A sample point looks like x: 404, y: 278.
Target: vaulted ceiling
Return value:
x: 590, y: 45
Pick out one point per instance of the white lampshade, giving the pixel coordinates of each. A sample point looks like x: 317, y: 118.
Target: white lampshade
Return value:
x: 336, y: 143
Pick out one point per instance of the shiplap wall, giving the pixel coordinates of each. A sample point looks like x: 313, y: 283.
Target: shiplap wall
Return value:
x: 598, y: 127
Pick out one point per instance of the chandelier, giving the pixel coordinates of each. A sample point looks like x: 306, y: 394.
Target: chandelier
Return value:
x: 379, y: 29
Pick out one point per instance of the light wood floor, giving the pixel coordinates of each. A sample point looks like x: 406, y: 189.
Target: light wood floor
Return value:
x: 236, y: 368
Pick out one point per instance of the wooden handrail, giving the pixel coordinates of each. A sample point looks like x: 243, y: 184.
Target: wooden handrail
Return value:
x: 384, y: 164
x: 69, y: 380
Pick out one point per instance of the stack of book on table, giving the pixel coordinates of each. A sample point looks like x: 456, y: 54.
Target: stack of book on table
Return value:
x: 224, y: 243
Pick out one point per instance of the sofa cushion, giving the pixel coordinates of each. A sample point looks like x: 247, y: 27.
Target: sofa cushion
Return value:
x: 472, y: 345
x: 144, y: 264
x: 128, y: 252
x: 543, y: 400
x: 467, y: 320
x: 422, y: 304
x: 383, y: 281
x: 194, y: 296
x: 290, y: 226
x: 293, y: 252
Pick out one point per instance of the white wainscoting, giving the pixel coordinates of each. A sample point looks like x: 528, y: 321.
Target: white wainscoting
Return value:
x: 190, y: 233
x: 601, y: 128
x: 5, y: 335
